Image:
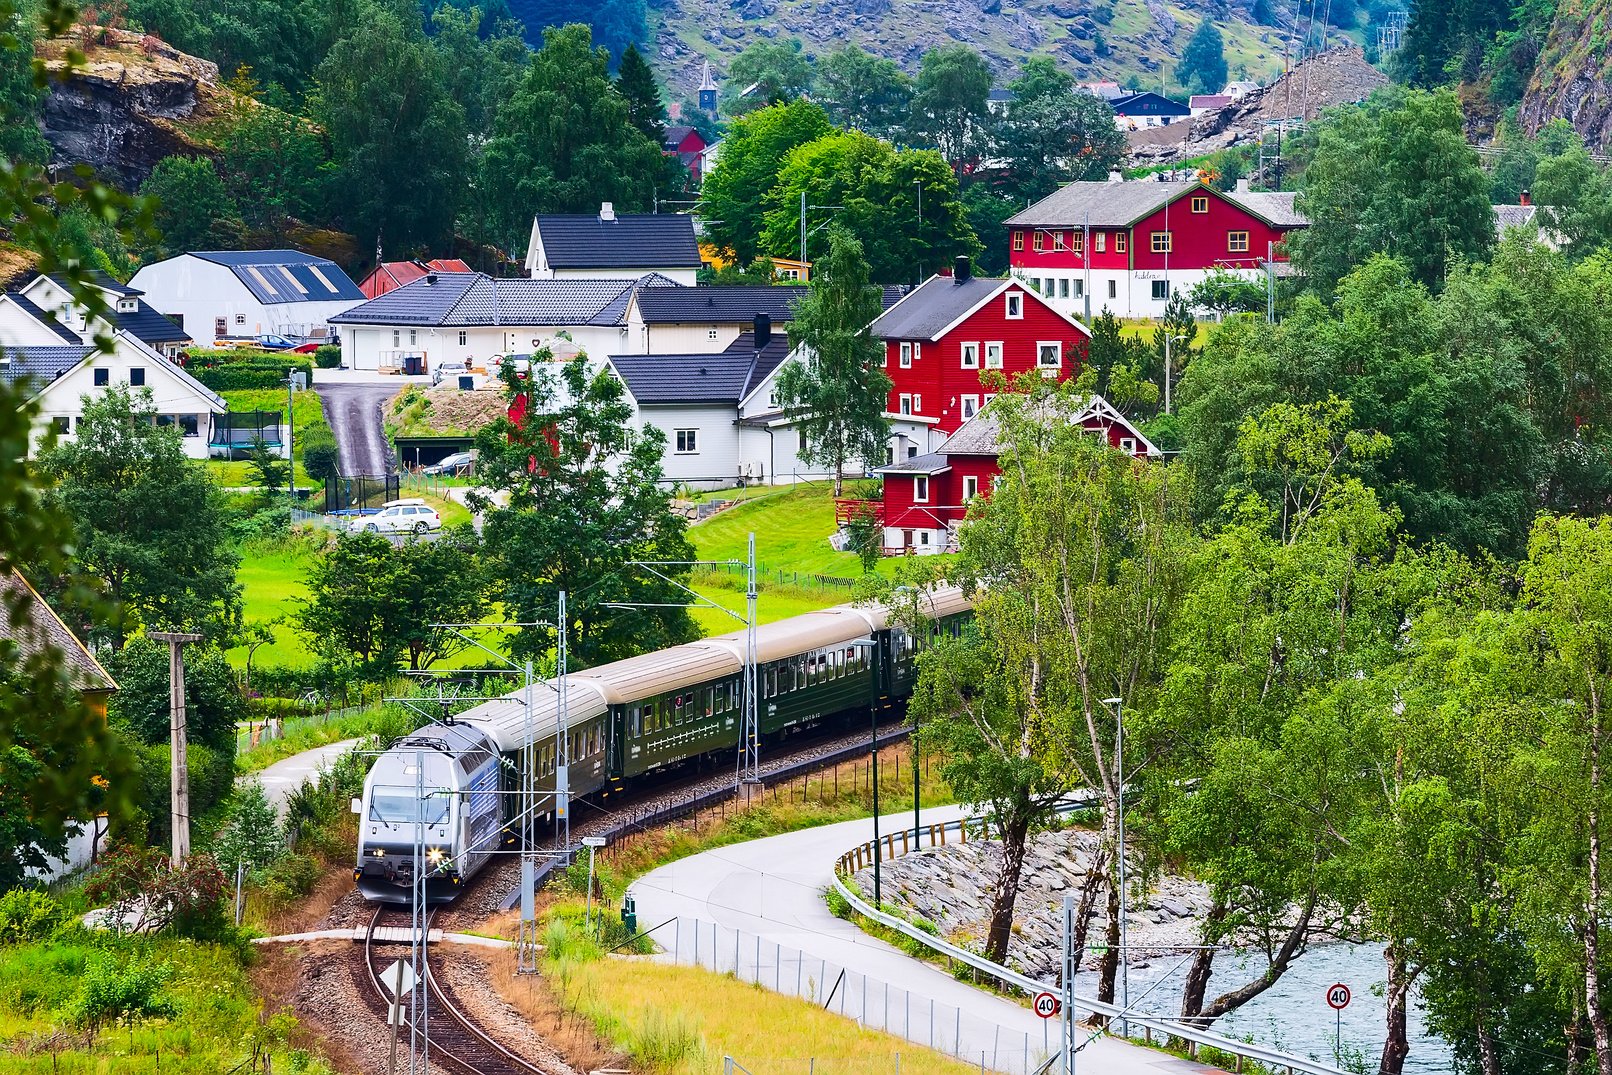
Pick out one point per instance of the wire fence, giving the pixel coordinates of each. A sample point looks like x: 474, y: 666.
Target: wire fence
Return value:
x: 875, y: 1004
x: 766, y: 576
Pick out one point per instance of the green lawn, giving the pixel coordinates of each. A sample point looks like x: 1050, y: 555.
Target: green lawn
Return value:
x: 1142, y: 328
x: 237, y: 474
x: 305, y: 411
x: 271, y: 578
x: 792, y: 528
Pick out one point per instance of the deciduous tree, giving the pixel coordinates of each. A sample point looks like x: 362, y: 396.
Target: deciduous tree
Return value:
x: 194, y: 210
x: 767, y: 73
x: 950, y: 102
x: 864, y: 92
x: 752, y: 154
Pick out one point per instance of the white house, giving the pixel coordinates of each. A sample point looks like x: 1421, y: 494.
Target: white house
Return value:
x: 613, y: 246
x: 470, y: 317
x: 216, y: 293
x: 62, y: 374
x: 126, y: 307
x: 719, y: 413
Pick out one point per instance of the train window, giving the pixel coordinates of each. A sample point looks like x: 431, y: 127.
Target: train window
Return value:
x: 635, y: 721
x: 710, y: 700
x: 800, y: 674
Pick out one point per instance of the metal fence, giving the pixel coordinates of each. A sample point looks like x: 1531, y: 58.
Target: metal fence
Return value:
x: 873, y: 1003
x: 355, y: 492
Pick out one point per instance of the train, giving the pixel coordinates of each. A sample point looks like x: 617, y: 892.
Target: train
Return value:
x: 447, y: 793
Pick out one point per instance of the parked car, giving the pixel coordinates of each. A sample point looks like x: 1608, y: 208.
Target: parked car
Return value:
x: 268, y: 341
x: 457, y: 463
x: 442, y: 371
x: 410, y: 515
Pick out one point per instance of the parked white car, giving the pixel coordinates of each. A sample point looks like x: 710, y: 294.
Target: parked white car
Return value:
x: 410, y: 516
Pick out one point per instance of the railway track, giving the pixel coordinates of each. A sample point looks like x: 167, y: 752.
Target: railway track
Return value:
x: 455, y: 1042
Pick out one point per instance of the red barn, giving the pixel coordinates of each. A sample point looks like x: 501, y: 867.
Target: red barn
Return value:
x: 926, y: 497
x: 946, y: 335
x: 390, y: 275
x: 1148, y: 240
x: 686, y: 144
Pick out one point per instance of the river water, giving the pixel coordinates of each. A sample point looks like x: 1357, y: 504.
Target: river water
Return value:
x: 1293, y: 1015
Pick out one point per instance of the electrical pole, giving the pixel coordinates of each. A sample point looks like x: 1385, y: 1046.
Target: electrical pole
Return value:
x: 178, y: 768
x: 290, y: 456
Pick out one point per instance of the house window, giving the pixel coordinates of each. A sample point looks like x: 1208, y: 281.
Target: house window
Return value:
x: 397, y: 338
x: 971, y: 488
x: 1018, y: 240
x: 1161, y: 290
x: 1121, y: 242
x: 687, y: 441
x: 971, y: 406
x: 187, y: 425
x: 127, y: 306
x: 710, y: 334
x: 1080, y: 288
x: 884, y: 359
x: 1128, y: 444
x: 917, y: 403
x: 906, y: 404
x: 1113, y: 289
x: 1049, y: 355
x: 1200, y: 204
x: 1161, y: 242
x: 414, y: 335
x: 137, y: 376
x: 912, y: 451
x: 993, y: 355
x: 240, y: 319
x: 1015, y: 305
x: 1063, y: 288
x: 906, y: 356
x: 64, y: 424
x: 920, y: 489
x: 1101, y: 241
x: 464, y: 338
x: 1237, y: 242
x: 1057, y: 240
x: 971, y: 356
x: 102, y: 378
x: 1035, y: 240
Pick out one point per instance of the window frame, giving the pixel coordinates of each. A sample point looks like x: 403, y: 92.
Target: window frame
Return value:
x: 686, y: 441
x: 1099, y: 243
x: 904, y: 403
x: 920, y: 488
x: 906, y: 355
x: 963, y: 351
x: 964, y: 408
x: 1122, y: 243
x: 1163, y: 242
x: 1018, y: 239
x: 1128, y: 445
x: 100, y: 377
x: 1058, y: 241
x: 1165, y: 284
x: 1013, y: 306
x: 464, y: 338
x: 1041, y: 365
x: 971, y: 487
x: 1200, y: 203
x: 1036, y: 240
x: 137, y: 376
x: 1231, y: 242
x: 1000, y: 348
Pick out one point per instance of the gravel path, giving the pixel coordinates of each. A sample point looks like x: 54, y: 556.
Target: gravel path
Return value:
x: 353, y: 412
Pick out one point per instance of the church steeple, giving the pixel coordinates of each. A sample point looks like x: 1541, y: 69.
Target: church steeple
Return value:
x: 707, y: 95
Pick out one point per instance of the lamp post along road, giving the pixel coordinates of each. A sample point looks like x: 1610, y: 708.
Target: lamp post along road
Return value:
x: 1118, y: 706
x: 872, y: 647
x: 178, y: 765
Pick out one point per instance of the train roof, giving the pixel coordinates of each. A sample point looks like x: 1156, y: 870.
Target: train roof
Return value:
x: 591, y: 691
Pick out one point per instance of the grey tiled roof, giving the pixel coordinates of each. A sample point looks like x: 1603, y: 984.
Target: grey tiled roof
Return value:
x: 478, y: 299
x: 936, y: 303
x: 281, y: 276
x: 928, y: 463
x: 1116, y: 205
x: 39, y: 366
x: 719, y: 304
x: 616, y: 312
x: 630, y: 241
x: 41, y: 629
x: 27, y: 306
x: 1513, y: 216
x: 727, y: 377
x: 150, y: 326
x: 1276, y: 206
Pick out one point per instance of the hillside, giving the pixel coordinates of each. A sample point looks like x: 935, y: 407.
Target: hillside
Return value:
x: 1140, y: 37
x: 1573, y: 77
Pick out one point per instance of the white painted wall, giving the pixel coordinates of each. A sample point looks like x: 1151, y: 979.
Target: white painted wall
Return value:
x: 368, y: 347
x: 19, y: 329
x: 1125, y: 293
x: 201, y: 292
x: 172, y: 396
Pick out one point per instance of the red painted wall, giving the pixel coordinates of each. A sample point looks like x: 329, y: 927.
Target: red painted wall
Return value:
x: 938, y: 374
x: 1200, y: 238
x: 1067, y: 258
x: 900, y: 510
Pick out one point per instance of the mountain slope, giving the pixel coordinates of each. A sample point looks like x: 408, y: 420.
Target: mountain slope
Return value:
x: 1140, y: 37
x: 1573, y: 77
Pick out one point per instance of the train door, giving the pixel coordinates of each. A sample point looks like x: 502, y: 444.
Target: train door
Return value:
x: 616, y: 760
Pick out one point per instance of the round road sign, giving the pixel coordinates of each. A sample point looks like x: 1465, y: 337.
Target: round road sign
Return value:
x: 1338, y: 996
x: 1046, y: 1005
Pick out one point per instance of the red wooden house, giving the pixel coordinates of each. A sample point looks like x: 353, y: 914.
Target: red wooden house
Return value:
x: 390, y: 275
x: 947, y: 335
x: 926, y: 497
x: 1148, y: 240
x: 686, y: 144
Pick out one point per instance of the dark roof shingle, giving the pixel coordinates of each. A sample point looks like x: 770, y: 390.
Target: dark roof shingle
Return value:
x: 727, y: 377
x: 722, y: 303
x: 630, y: 241
x: 39, y: 366
x: 936, y: 303
x: 149, y: 326
x: 27, y: 306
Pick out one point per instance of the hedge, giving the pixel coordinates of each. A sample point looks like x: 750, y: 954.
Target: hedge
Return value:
x: 327, y: 357
x: 234, y: 378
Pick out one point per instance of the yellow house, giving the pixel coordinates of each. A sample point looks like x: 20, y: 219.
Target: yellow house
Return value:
x: 790, y: 269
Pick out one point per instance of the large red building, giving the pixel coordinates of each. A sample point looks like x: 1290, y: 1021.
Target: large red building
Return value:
x: 926, y: 497
x: 943, y: 340
x: 1147, y: 240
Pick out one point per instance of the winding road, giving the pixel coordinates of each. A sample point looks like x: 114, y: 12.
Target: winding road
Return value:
x: 353, y: 412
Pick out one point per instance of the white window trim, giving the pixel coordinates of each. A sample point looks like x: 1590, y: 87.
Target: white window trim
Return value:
x: 920, y: 481
x: 971, y: 487
x: 1011, y: 302
x: 1000, y: 349
x: 965, y: 408
x: 906, y: 356
x: 917, y: 403
x: 693, y: 440
x: 964, y: 351
x: 905, y: 404
x: 1048, y: 343
x: 1127, y: 444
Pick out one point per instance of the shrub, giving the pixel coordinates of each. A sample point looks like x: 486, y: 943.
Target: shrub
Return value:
x: 27, y: 914
x: 322, y: 461
x: 251, y: 832
x: 327, y: 357
x: 109, y: 992
x: 144, y: 893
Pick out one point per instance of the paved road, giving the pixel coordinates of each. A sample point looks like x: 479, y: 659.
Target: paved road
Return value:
x: 353, y: 411
x: 773, y: 889
x: 284, y: 777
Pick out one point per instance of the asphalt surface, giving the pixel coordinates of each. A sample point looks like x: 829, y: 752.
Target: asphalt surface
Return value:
x: 286, y: 776
x: 353, y: 412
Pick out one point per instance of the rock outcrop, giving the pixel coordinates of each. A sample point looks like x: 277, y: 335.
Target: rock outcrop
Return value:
x: 132, y: 103
x: 1573, y: 75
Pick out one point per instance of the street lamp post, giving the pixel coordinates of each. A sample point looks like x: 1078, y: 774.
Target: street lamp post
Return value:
x: 1118, y: 706
x: 1169, y: 365
x: 872, y: 646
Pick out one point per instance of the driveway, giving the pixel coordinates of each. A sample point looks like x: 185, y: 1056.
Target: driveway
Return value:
x: 353, y: 411
x: 287, y: 775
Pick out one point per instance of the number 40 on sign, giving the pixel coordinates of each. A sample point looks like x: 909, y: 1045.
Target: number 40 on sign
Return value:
x: 1046, y: 1005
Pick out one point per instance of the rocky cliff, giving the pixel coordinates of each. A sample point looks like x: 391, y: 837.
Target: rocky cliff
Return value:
x: 1573, y: 77
x: 134, y: 101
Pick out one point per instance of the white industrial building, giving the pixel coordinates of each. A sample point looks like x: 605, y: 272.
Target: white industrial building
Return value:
x: 217, y: 293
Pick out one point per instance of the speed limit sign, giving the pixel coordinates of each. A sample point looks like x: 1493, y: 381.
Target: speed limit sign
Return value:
x: 1046, y: 1005
x: 1338, y: 996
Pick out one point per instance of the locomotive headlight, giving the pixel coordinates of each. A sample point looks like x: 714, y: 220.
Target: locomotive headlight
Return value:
x: 434, y: 855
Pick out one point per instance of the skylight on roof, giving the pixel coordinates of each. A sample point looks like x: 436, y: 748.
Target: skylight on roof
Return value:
x: 323, y: 279
x: 260, y: 278
x: 289, y: 275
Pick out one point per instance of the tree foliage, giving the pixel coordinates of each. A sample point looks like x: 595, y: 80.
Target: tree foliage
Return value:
x: 194, y: 210
x: 1202, y: 67
x: 752, y: 155
x: 767, y: 73
x: 1049, y: 139
x: 864, y: 92
x: 950, y: 102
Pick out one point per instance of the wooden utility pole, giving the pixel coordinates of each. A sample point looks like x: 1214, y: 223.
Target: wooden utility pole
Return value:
x: 179, y: 769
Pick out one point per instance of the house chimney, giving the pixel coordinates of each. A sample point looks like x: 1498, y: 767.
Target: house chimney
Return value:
x: 1116, y: 176
x: 430, y: 278
x: 1525, y: 198
x: 763, y: 330
x: 607, y: 211
x: 1242, y: 185
x: 961, y: 270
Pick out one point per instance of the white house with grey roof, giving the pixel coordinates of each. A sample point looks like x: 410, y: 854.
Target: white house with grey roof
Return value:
x: 217, y: 293
x: 126, y: 309
x: 611, y: 245
x: 471, y: 317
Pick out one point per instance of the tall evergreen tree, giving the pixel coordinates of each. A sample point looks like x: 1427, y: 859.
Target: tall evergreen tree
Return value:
x: 637, y: 86
x: 563, y: 142
x: 837, y: 393
x: 1203, y: 62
